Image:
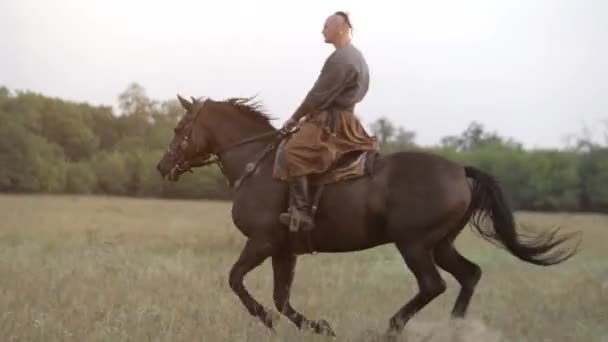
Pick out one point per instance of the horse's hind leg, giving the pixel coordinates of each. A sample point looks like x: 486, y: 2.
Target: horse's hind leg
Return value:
x: 466, y: 273
x: 283, y: 266
x: 420, y: 261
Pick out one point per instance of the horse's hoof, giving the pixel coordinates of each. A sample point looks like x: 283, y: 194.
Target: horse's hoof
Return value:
x: 322, y: 327
x: 390, y: 336
x: 270, y: 318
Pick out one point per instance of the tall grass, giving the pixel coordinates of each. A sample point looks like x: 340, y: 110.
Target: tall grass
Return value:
x: 112, y: 269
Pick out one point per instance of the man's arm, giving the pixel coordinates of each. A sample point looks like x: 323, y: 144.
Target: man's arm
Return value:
x: 330, y: 83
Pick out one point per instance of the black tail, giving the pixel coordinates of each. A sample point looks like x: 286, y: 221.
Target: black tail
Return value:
x: 489, y: 201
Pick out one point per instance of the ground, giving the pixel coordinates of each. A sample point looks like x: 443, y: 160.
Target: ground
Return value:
x: 76, y: 268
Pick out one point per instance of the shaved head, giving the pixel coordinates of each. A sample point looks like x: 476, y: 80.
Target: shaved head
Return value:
x: 337, y: 28
x: 344, y: 18
x: 335, y: 19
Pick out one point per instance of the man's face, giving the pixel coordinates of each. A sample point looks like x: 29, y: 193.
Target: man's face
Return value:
x: 331, y: 29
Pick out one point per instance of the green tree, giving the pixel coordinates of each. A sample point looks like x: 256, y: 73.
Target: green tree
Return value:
x: 474, y: 137
x: 553, y: 180
x: 48, y: 145
x: 29, y: 162
x: 4, y: 93
x: 64, y: 125
x: 392, y: 138
x: 80, y: 178
x: 593, y: 169
x: 383, y: 129
x: 160, y: 132
x: 137, y: 112
x: 104, y: 125
x: 112, y: 173
x: 145, y: 180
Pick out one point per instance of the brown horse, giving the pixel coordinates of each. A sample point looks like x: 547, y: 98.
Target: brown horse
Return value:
x: 418, y: 201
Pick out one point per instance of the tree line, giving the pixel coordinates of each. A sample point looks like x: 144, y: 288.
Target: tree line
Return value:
x: 50, y: 145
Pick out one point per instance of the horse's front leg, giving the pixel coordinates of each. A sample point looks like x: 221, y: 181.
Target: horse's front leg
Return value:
x: 254, y: 253
x: 283, y: 266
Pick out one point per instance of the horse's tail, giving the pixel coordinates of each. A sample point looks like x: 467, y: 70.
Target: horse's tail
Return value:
x: 488, y: 200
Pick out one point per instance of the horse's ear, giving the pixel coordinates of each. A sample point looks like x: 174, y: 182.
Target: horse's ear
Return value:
x: 184, y: 103
x: 193, y: 99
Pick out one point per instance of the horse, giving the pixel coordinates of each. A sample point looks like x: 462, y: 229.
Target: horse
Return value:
x: 416, y: 200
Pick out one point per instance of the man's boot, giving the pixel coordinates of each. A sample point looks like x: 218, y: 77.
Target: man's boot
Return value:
x: 299, y: 215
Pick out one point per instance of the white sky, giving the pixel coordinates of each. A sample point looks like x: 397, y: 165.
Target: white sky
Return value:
x: 534, y: 70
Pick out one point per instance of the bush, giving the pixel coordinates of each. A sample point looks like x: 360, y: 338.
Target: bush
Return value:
x: 80, y: 178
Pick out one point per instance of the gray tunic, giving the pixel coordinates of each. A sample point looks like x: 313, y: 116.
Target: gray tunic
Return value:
x: 343, y: 82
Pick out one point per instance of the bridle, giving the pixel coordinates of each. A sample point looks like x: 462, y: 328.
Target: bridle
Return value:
x: 214, y: 157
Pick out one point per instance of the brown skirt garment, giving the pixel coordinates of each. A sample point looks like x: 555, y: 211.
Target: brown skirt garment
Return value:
x: 314, y: 149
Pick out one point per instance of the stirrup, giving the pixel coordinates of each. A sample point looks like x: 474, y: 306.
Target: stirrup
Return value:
x: 296, y: 220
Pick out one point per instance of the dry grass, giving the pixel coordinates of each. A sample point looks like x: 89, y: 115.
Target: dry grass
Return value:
x: 108, y: 269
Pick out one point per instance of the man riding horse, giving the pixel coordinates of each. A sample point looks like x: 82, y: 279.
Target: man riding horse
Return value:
x: 441, y: 196
x: 329, y: 128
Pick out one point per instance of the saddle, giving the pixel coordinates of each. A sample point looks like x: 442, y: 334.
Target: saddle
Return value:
x: 352, y: 165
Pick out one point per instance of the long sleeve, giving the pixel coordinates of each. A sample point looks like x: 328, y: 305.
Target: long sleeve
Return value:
x: 333, y: 79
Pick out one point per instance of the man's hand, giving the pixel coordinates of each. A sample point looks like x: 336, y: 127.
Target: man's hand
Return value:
x: 289, y: 125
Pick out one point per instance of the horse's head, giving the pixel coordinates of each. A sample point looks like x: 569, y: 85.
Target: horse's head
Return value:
x: 190, y: 142
x: 210, y: 128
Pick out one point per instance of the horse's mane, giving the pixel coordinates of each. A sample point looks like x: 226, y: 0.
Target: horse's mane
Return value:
x: 248, y: 106
x: 251, y: 107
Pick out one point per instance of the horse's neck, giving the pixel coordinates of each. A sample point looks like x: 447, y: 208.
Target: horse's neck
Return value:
x: 234, y: 160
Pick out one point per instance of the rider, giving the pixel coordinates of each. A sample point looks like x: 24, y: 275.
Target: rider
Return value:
x: 329, y: 128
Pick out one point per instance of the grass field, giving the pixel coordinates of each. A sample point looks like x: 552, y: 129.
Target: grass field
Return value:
x: 112, y: 269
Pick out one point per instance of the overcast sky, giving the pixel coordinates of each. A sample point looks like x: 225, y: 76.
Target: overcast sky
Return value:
x: 533, y: 70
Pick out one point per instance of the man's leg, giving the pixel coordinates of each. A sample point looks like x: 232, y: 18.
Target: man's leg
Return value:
x: 306, y: 153
x: 299, y: 216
